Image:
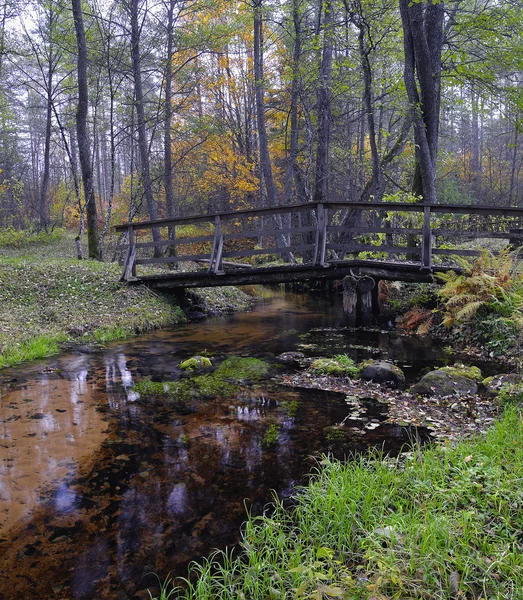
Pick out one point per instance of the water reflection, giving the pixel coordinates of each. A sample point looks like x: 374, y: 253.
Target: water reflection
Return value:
x: 118, y: 487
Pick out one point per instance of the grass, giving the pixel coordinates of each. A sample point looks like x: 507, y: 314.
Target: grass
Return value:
x: 438, y: 523
x: 45, y: 304
x: 48, y: 302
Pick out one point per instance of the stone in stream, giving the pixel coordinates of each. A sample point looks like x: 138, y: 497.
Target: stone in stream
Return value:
x: 383, y: 372
x: 493, y: 385
x: 457, y: 380
x: 196, y: 363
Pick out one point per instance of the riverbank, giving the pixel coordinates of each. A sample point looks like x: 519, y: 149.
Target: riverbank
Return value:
x: 48, y: 305
x: 438, y: 522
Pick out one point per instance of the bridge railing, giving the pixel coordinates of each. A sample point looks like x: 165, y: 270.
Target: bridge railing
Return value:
x: 317, y: 234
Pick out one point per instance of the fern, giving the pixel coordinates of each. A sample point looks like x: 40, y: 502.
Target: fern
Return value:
x: 492, y: 283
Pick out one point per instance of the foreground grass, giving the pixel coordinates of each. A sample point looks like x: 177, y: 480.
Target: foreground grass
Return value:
x: 45, y: 304
x: 439, y: 523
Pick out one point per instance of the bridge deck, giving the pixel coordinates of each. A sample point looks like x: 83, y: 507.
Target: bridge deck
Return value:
x: 395, y: 241
x: 392, y: 271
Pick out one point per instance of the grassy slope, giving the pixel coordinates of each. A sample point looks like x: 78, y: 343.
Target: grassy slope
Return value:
x: 47, y: 299
x: 440, y: 523
x: 44, y: 304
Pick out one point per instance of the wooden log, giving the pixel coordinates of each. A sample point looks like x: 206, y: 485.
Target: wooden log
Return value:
x: 350, y: 300
x: 365, y: 287
x: 366, y: 313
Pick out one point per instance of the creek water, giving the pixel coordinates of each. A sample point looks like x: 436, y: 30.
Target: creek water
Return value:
x: 98, y: 489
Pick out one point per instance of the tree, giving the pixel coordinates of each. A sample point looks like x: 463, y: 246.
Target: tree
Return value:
x: 423, y: 42
x: 84, y: 147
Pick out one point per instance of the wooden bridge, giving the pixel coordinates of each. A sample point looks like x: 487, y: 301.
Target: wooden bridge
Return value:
x: 394, y: 241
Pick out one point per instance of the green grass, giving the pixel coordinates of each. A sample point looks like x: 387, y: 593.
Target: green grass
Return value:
x: 45, y: 304
x: 39, y: 347
x: 437, y: 523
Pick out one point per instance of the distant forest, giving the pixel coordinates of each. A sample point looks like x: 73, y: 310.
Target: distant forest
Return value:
x: 113, y: 111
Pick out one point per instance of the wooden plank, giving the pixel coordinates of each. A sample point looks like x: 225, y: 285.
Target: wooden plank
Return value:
x: 477, y: 234
x: 361, y: 206
x: 227, y: 263
x: 267, y: 233
x: 349, y: 249
x: 283, y: 250
x: 170, y: 259
x: 364, y: 230
x: 457, y: 252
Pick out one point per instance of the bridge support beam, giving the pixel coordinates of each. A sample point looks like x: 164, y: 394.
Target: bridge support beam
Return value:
x: 360, y: 300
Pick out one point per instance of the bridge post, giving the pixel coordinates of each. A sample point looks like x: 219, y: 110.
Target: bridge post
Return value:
x: 426, y: 242
x: 365, y: 286
x: 320, y: 246
x: 358, y: 300
x: 129, y: 265
x: 350, y: 299
x: 215, y: 260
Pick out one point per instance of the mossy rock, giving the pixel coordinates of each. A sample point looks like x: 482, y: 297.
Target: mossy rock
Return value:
x: 238, y: 369
x: 222, y: 383
x: 462, y: 370
x: 493, y: 385
x: 445, y: 382
x: 383, y: 372
x: 337, y: 366
x: 196, y: 363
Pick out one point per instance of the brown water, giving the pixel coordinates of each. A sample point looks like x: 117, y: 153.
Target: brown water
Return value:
x: 98, y: 489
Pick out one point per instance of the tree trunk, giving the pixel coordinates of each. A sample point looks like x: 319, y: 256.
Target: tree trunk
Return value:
x: 297, y: 175
x: 43, y: 207
x: 168, y: 115
x: 324, y: 107
x: 143, y: 145
x: 422, y: 41
x: 84, y: 149
x: 265, y: 160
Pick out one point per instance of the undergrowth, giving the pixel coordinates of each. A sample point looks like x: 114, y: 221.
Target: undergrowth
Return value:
x: 437, y: 523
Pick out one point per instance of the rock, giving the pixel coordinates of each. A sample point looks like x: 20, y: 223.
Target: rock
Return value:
x: 291, y: 357
x: 381, y: 371
x: 494, y: 384
x: 196, y: 363
x: 444, y: 382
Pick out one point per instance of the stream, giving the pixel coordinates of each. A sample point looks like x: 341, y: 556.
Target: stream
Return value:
x: 98, y: 489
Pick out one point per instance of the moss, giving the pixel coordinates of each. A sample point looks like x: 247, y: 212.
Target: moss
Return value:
x: 237, y: 368
x: 222, y: 383
x: 196, y: 363
x: 290, y: 408
x: 461, y: 370
x: 340, y: 365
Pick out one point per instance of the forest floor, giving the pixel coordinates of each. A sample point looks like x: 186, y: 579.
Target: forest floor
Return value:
x: 50, y: 300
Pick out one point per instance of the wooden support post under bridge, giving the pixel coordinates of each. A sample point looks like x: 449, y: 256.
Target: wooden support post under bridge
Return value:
x: 358, y: 300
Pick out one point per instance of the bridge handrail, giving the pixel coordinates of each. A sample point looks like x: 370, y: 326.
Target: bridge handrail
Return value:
x: 472, y: 209
x: 317, y: 250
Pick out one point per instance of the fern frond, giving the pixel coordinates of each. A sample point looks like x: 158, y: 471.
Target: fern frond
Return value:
x: 469, y: 310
